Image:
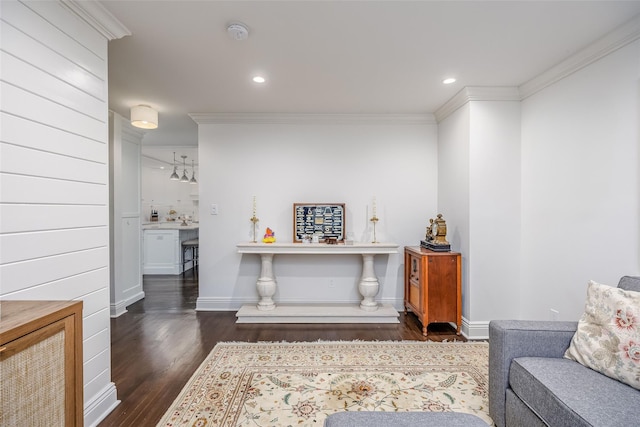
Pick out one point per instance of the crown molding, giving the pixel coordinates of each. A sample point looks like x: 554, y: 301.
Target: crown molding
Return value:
x: 477, y: 93
x: 614, y: 40
x: 294, y: 118
x: 98, y: 17
x: 611, y: 42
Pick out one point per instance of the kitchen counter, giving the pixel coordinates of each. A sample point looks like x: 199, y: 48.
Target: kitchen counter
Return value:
x: 169, y: 225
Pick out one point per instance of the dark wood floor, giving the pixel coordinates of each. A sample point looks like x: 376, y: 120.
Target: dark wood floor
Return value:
x: 158, y: 344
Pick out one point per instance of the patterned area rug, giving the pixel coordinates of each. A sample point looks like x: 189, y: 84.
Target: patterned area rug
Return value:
x: 300, y: 384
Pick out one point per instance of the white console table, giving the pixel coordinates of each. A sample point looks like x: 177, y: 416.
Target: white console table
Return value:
x: 266, y: 310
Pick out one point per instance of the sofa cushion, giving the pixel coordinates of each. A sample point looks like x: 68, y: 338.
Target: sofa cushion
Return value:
x: 608, y: 335
x: 565, y: 393
x: 629, y: 283
x: 517, y: 414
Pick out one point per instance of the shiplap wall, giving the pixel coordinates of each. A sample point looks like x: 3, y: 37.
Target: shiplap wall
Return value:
x: 54, y: 189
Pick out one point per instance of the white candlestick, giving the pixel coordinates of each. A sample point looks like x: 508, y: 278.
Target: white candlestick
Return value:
x: 374, y: 206
x: 254, y: 205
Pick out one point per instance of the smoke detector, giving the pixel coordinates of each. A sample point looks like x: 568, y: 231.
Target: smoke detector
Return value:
x: 238, y: 31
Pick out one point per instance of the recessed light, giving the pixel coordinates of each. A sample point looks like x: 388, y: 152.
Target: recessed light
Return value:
x: 259, y: 79
x: 449, y: 81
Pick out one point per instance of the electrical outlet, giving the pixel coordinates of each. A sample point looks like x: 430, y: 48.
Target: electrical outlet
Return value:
x: 331, y: 283
x: 554, y: 314
x: 214, y: 209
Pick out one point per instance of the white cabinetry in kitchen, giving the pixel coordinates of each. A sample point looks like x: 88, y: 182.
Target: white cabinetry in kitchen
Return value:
x: 162, y: 245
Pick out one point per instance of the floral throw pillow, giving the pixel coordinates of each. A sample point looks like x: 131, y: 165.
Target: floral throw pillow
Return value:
x: 608, y: 336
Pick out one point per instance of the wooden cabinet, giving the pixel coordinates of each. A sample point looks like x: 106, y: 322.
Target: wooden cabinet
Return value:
x: 41, y: 363
x: 432, y: 286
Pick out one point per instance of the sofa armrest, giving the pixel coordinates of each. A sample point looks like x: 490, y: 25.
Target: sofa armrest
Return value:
x: 509, y: 339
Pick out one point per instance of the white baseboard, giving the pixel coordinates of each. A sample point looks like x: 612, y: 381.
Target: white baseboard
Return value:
x: 163, y: 269
x: 133, y: 298
x: 118, y: 309
x: 475, y: 330
x: 98, y: 408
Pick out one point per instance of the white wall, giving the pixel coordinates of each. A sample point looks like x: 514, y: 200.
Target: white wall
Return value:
x: 453, y: 189
x: 544, y: 194
x: 479, y: 195
x: 494, y: 210
x: 304, y: 161
x: 580, y: 184
x: 54, y: 175
x: 125, y: 222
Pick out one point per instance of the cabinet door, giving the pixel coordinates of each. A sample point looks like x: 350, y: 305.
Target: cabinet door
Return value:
x: 38, y: 378
x: 414, y: 287
x: 442, y: 288
x: 162, y: 252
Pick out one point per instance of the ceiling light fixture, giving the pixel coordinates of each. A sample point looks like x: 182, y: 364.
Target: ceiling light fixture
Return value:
x: 238, y: 31
x: 193, y: 174
x: 259, y: 79
x: 144, y: 117
x: 184, y: 177
x: 449, y: 81
x: 174, y: 176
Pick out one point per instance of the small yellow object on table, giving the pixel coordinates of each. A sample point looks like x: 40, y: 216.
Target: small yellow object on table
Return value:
x: 269, y: 236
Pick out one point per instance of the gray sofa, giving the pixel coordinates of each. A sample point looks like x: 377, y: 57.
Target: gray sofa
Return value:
x: 531, y: 384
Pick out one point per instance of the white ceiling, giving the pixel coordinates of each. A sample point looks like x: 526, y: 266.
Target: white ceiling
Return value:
x: 335, y: 56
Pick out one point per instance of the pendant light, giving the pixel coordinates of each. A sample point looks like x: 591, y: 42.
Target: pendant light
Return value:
x: 174, y: 176
x: 193, y: 174
x: 184, y: 177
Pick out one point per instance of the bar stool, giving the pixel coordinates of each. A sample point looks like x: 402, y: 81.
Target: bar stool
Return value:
x: 193, y: 246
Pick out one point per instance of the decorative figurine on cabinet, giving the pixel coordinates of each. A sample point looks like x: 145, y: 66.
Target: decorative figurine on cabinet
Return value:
x: 436, y: 237
x: 269, y: 236
x: 429, y: 234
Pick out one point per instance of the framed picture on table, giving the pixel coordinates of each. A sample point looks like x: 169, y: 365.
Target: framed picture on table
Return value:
x: 324, y: 220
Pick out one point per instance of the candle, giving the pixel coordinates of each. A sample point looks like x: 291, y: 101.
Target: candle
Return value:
x: 254, y: 206
x: 374, y: 206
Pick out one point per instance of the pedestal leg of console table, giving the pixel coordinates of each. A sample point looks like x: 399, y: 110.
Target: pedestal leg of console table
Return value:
x: 266, y: 283
x: 368, y: 285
